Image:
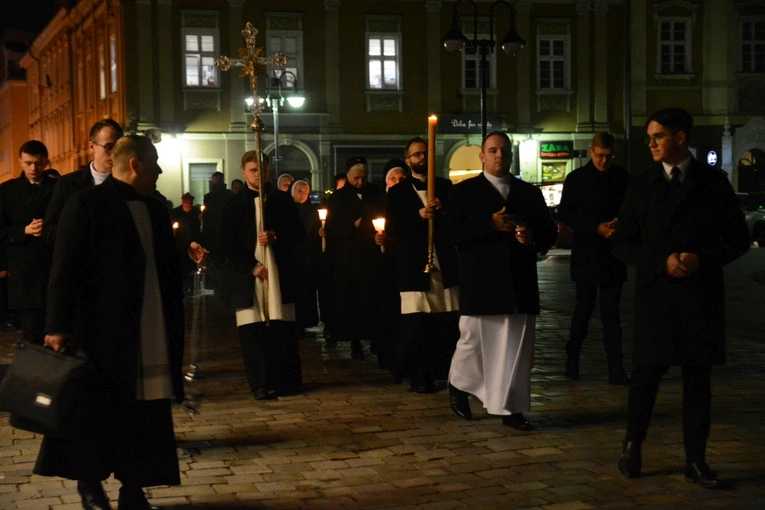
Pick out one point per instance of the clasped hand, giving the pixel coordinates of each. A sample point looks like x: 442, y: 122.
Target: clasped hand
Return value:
x: 431, y: 209
x: 503, y: 222
x: 682, y: 265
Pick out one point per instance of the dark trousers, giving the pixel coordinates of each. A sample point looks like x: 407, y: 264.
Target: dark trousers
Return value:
x: 610, y: 297
x: 32, y: 324
x: 426, y: 346
x: 697, y: 401
x: 271, y: 355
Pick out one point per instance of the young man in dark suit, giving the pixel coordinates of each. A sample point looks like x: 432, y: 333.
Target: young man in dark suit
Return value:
x: 115, y: 293
x: 499, y: 224
x: 680, y: 225
x: 103, y: 135
x: 23, y: 202
x: 589, y: 205
x: 429, y: 301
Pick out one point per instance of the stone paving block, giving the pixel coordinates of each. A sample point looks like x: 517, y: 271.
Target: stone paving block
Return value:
x: 38, y: 504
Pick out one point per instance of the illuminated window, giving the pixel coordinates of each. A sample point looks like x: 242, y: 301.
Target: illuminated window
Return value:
x: 200, y: 49
x: 383, y: 57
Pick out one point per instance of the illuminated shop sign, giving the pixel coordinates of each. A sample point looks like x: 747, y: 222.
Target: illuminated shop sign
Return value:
x: 556, y: 150
x: 461, y: 123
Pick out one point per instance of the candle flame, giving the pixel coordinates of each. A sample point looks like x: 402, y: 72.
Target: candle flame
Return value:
x: 175, y: 225
x: 202, y: 208
x: 322, y: 214
x: 379, y: 224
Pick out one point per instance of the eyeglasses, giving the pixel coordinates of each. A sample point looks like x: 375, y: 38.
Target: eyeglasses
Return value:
x: 658, y: 138
x: 418, y: 155
x: 601, y: 156
x: 108, y: 147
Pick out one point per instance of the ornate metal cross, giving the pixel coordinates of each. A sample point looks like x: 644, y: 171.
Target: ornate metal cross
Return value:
x: 253, y: 63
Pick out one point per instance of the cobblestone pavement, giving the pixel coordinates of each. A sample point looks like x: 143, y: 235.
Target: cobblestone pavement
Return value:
x: 353, y: 439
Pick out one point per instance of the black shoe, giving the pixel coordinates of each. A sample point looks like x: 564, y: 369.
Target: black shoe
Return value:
x: 429, y: 387
x: 630, y: 460
x: 264, y: 394
x: 458, y: 400
x: 618, y: 377
x: 700, y: 473
x: 133, y: 499
x: 517, y: 421
x: 93, y: 495
x: 572, y: 368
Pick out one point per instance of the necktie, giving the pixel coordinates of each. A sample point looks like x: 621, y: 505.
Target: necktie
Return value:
x: 675, y: 177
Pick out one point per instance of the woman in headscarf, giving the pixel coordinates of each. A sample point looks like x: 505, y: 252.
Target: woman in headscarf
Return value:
x: 306, y: 313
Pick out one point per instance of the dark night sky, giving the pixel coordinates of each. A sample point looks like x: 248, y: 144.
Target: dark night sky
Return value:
x: 30, y: 15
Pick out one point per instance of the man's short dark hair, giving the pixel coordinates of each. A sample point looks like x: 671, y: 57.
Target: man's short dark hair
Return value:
x: 237, y: 181
x: 216, y: 174
x: 252, y: 157
x: 104, y: 123
x: 500, y: 134
x: 416, y: 139
x: 603, y: 140
x: 674, y: 120
x: 34, y: 148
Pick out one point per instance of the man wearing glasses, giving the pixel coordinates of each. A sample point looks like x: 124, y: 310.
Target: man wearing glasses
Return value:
x: 589, y: 205
x: 429, y: 301
x: 680, y: 225
x: 103, y: 135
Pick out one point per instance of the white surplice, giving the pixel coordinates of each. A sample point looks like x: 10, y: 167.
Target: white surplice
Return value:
x: 437, y: 299
x: 493, y: 361
x: 277, y: 311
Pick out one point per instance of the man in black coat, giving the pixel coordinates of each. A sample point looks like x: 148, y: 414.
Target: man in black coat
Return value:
x: 115, y: 293
x: 259, y: 262
x: 589, y: 205
x: 429, y: 301
x: 23, y: 202
x: 499, y: 224
x: 103, y: 135
x: 681, y: 224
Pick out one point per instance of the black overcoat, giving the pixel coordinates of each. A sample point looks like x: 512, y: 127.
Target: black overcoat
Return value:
x: 495, y: 270
x: 591, y: 197
x: 65, y: 187
x: 680, y: 321
x: 238, y: 236
x: 404, y: 223
x: 27, y: 256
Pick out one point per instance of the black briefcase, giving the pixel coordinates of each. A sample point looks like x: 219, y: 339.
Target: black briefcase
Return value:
x: 43, y: 391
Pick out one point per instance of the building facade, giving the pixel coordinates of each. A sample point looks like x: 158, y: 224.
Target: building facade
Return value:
x: 372, y: 71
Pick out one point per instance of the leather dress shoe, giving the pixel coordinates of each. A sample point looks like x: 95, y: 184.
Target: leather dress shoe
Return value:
x: 618, y: 377
x: 263, y: 394
x: 517, y: 421
x: 700, y: 473
x: 630, y: 460
x: 428, y: 387
x: 92, y: 495
x: 572, y: 368
x: 458, y: 400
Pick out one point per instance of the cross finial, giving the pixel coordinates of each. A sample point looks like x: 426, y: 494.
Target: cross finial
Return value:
x: 252, y: 61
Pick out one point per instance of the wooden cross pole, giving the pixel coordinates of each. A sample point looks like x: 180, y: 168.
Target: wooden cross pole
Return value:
x: 253, y: 63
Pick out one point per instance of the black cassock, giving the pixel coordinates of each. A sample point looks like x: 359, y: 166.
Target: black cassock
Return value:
x: 306, y: 311
x: 95, y: 296
x: 356, y: 260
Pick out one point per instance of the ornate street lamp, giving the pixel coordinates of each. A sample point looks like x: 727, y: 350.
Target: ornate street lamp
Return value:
x: 455, y: 40
x: 295, y: 99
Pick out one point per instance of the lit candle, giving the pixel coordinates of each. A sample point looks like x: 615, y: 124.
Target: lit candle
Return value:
x: 202, y: 218
x: 432, y: 121
x: 175, y: 227
x: 323, y: 218
x: 379, y: 224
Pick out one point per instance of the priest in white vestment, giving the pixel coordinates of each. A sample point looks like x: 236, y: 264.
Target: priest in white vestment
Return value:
x: 499, y: 224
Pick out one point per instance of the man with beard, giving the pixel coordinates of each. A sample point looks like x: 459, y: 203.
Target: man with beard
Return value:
x: 103, y: 135
x: 429, y: 301
x: 23, y: 202
x: 258, y: 260
x: 499, y: 225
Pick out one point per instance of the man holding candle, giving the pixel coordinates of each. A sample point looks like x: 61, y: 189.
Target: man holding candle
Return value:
x: 260, y: 270
x: 429, y: 301
x: 499, y: 224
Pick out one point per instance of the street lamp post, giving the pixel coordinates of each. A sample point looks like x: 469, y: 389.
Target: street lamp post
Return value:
x: 455, y: 40
x: 295, y: 99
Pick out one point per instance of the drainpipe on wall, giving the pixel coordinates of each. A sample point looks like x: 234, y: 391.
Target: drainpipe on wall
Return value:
x: 628, y: 81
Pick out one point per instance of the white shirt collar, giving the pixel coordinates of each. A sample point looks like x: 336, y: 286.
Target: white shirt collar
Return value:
x: 683, y: 166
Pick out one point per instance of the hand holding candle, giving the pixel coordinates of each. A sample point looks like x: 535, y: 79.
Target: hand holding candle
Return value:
x: 202, y: 218
x: 175, y: 227
x: 323, y: 218
x: 379, y: 224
